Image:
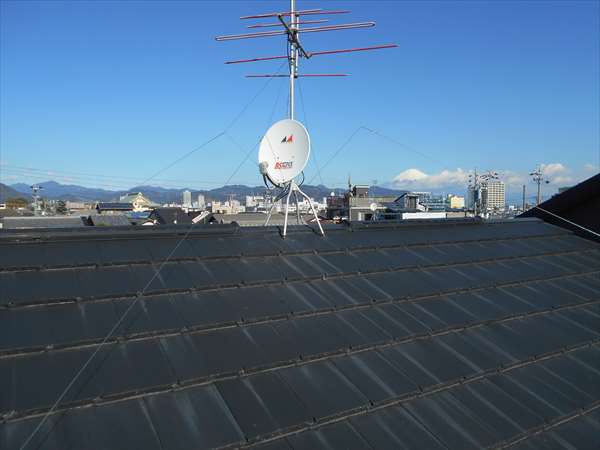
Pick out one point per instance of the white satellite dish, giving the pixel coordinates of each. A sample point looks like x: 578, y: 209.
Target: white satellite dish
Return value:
x: 284, y: 151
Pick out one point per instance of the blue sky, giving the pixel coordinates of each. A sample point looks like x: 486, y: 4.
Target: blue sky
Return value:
x: 106, y: 93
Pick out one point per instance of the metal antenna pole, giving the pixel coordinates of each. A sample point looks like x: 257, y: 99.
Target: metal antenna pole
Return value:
x: 293, y: 57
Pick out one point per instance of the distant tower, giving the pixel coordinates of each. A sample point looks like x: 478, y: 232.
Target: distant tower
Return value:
x: 538, y: 178
x: 187, y: 199
x: 201, y: 201
x: 35, y: 188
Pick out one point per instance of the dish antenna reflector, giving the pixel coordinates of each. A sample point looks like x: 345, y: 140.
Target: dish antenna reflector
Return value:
x: 284, y: 151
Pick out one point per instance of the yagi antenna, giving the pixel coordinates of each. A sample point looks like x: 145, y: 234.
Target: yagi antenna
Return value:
x: 285, y: 148
x: 290, y: 26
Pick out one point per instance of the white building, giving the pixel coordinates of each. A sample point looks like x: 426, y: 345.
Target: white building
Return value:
x: 201, y: 201
x: 456, y: 202
x: 138, y: 200
x: 493, y: 194
x: 187, y: 199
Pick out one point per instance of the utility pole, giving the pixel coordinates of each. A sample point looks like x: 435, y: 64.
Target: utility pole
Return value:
x: 524, y: 187
x: 35, y: 188
x: 538, y: 178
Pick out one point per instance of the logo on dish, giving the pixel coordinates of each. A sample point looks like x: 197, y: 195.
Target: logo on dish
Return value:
x: 284, y: 164
x: 288, y: 139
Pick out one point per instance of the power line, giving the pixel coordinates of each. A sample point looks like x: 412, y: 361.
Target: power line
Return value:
x: 314, y: 153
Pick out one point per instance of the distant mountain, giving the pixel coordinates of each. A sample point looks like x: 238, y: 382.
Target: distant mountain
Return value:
x: 7, y: 192
x: 56, y: 191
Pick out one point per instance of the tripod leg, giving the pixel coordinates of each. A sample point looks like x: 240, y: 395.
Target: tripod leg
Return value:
x: 297, y: 208
x: 270, y: 214
x: 287, y: 206
x: 312, y: 208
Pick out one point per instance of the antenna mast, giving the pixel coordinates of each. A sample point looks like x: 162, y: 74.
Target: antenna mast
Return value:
x: 284, y: 156
x: 293, y: 60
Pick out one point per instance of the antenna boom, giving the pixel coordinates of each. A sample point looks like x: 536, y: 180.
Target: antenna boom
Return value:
x: 327, y: 52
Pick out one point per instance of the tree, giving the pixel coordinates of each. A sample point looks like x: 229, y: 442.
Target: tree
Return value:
x: 61, y: 207
x: 17, y: 202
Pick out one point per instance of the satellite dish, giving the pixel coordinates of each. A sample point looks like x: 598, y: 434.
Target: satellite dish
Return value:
x: 373, y: 207
x: 284, y: 151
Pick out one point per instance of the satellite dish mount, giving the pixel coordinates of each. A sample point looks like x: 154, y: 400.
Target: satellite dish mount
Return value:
x: 285, y: 148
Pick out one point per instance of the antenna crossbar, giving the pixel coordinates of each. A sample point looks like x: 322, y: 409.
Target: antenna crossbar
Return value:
x: 345, y: 26
x: 305, y: 12
x: 272, y: 25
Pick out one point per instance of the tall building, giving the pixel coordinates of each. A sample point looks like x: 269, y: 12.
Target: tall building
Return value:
x: 187, y: 199
x: 493, y: 194
x: 201, y: 201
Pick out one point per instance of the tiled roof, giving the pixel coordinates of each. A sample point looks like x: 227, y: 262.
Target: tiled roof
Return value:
x: 423, y: 335
x: 43, y: 222
x: 579, y: 205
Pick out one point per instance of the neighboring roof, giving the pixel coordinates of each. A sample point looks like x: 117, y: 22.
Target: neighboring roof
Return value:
x: 111, y: 220
x: 23, y: 222
x: 114, y: 206
x: 170, y: 216
x: 579, y: 204
x: 9, y: 212
x: 448, y: 334
x: 257, y: 219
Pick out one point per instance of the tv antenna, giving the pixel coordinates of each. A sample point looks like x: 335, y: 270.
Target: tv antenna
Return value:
x: 285, y: 148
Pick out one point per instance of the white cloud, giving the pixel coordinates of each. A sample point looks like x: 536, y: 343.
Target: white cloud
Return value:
x: 414, y: 178
x: 553, y: 169
x: 562, y: 180
x: 590, y: 167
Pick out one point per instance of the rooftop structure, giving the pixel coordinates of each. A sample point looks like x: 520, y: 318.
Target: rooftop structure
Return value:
x: 113, y: 207
x: 579, y: 205
x: 138, y: 201
x: 450, y: 334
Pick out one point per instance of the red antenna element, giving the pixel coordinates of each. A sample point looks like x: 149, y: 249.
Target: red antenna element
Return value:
x: 306, y: 12
x: 290, y: 22
x: 277, y: 75
x: 271, y: 25
x: 346, y: 26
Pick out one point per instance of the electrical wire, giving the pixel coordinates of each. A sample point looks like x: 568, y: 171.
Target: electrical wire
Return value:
x: 142, y: 292
x: 314, y: 153
x: 569, y: 222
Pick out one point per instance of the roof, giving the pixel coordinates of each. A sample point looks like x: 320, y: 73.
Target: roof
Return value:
x: 114, y: 206
x: 169, y: 216
x: 579, y: 204
x: 257, y: 219
x: 111, y: 220
x: 447, y: 334
x: 18, y: 222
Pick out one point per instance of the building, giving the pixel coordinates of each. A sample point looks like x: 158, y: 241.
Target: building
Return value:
x: 356, y: 205
x: 201, y: 201
x: 456, y: 202
x: 187, y: 199
x: 227, y: 207
x: 492, y: 194
x: 113, y: 208
x: 138, y: 201
x: 376, y: 336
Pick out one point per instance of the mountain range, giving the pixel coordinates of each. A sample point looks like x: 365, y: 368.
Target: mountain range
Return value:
x: 57, y: 191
